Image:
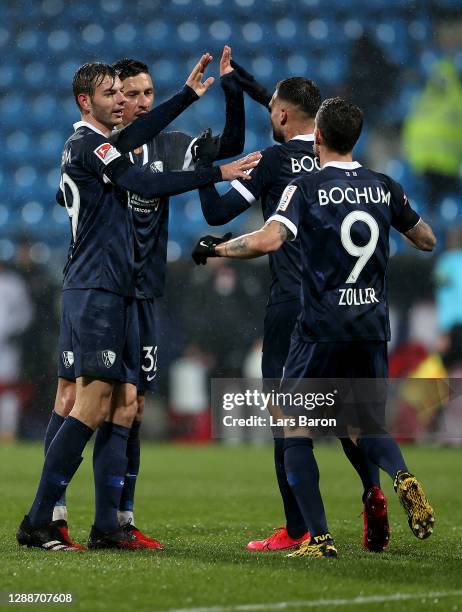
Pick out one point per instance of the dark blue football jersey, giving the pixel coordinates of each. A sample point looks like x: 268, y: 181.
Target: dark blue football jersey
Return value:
x: 279, y: 165
x: 342, y: 216
x: 168, y: 151
x: 101, y: 254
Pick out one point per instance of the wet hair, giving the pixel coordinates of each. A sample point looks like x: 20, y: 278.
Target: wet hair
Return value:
x: 302, y: 93
x: 89, y: 76
x: 340, y: 124
x: 126, y: 67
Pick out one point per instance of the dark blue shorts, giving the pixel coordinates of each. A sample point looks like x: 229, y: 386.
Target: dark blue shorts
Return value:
x: 148, y: 345
x: 99, y: 336
x: 355, y: 372
x: 336, y: 359
x: 279, y: 324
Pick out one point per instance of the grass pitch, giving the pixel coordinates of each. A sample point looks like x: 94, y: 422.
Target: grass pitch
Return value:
x: 205, y: 504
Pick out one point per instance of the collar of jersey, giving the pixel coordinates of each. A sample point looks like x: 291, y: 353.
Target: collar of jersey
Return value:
x: 343, y: 165
x: 79, y: 124
x: 306, y: 137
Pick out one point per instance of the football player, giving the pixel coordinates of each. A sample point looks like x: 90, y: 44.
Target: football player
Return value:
x: 343, y: 215
x: 168, y: 151
x: 99, y: 335
x: 292, y: 108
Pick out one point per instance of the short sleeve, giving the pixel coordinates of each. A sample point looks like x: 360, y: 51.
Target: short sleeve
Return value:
x: 262, y: 176
x: 288, y: 211
x: 403, y: 217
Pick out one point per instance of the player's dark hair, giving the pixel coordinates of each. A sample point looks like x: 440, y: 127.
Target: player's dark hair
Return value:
x: 340, y: 124
x: 126, y: 67
x: 89, y: 76
x: 302, y: 93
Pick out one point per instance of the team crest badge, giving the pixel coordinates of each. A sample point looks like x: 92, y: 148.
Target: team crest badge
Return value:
x: 68, y: 359
x: 108, y: 358
x: 157, y: 166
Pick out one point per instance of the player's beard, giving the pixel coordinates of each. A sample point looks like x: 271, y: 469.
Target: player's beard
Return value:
x: 278, y: 135
x: 106, y: 117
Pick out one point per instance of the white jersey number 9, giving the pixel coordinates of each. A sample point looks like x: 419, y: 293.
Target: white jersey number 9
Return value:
x: 363, y: 253
x: 73, y: 208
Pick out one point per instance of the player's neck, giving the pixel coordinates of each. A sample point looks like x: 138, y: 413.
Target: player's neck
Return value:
x: 299, y: 129
x: 95, y: 123
x: 326, y: 156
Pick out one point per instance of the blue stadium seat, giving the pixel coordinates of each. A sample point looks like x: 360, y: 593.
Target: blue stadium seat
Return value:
x: 48, y: 39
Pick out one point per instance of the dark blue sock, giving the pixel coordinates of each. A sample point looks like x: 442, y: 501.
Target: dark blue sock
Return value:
x: 55, y: 422
x: 303, y: 477
x: 109, y: 468
x: 366, y: 469
x: 127, y: 499
x: 384, y: 452
x: 294, y: 520
x: 61, y: 462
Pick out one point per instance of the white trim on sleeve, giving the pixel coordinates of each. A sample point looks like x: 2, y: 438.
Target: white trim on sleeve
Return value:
x: 287, y: 222
x: 188, y: 155
x: 245, y: 193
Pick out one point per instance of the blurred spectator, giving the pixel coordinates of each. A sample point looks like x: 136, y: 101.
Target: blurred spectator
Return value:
x: 251, y: 368
x: 372, y: 78
x: 16, y: 313
x: 189, y: 396
x: 448, y: 277
x: 221, y: 306
x: 432, y: 134
x: 39, y: 366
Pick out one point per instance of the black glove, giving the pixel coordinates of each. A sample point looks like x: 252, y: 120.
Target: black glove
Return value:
x: 205, y: 247
x: 252, y: 87
x: 205, y: 149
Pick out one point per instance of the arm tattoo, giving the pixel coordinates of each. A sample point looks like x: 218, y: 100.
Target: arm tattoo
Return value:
x: 284, y: 232
x: 238, y: 247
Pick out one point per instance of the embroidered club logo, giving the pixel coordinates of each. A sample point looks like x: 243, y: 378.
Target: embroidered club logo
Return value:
x: 68, y: 359
x: 109, y: 358
x: 157, y: 166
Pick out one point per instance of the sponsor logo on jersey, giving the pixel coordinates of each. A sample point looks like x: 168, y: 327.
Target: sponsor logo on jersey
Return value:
x: 68, y: 359
x: 157, y: 166
x: 109, y: 358
x: 286, y: 197
x: 106, y: 153
x: 142, y: 205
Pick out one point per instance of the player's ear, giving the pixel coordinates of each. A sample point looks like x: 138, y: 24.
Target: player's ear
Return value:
x: 84, y: 101
x: 284, y: 116
x: 317, y: 137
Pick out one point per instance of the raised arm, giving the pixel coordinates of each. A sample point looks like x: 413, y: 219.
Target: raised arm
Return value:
x: 149, y: 125
x: 231, y: 141
x: 156, y: 184
x: 253, y: 88
x: 217, y: 209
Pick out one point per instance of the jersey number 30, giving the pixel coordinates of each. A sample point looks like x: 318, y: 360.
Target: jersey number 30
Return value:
x: 363, y: 253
